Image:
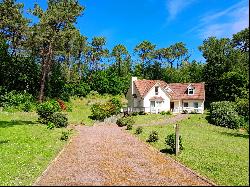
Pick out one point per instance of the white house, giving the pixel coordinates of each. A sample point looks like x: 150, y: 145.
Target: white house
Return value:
x: 154, y: 96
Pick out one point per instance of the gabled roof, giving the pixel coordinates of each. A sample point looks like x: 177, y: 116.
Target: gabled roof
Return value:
x: 143, y: 86
x: 179, y: 90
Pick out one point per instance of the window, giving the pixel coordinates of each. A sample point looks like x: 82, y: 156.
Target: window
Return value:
x: 156, y: 90
x: 185, y: 104
x: 190, y: 91
x: 195, y: 104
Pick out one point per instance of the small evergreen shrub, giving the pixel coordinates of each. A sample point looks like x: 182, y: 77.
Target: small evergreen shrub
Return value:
x: 224, y: 114
x: 59, y: 120
x: 165, y: 112
x: 170, y: 141
x: 153, y: 137
x: 125, y: 121
x: 185, y: 112
x: 50, y: 125
x: 65, y: 135
x: 105, y: 110
x: 46, y: 109
x: 138, y: 130
x: 129, y: 126
x: 242, y: 107
x: 142, y: 113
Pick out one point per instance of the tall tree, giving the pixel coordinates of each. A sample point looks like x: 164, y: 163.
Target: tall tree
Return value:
x: 120, y: 54
x: 47, y: 35
x: 13, y: 26
x: 145, y: 51
x: 95, y: 53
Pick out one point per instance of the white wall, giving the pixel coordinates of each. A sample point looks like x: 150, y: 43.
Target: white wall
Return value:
x: 161, y: 93
x: 191, y: 104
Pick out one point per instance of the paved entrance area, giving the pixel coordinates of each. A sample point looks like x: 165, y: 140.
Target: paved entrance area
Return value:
x: 108, y: 155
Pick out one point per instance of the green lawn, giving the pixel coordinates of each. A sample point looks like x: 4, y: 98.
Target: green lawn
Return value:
x: 80, y: 112
x: 218, y: 153
x: 26, y: 148
x: 150, y: 118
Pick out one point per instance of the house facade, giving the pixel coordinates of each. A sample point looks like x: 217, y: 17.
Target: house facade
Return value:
x: 154, y: 96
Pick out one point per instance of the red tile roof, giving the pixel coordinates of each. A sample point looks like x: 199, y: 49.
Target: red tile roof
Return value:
x: 179, y: 89
x: 143, y: 86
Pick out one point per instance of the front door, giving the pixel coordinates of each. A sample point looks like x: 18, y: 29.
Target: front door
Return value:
x: 152, y: 106
x: 171, y: 106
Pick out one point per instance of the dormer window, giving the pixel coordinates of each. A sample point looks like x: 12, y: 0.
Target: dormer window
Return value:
x: 190, y: 91
x: 156, y: 90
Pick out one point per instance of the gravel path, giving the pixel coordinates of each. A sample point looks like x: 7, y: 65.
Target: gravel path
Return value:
x: 108, y: 155
x: 172, y: 119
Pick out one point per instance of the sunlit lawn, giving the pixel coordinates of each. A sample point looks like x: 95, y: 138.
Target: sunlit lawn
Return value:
x: 218, y: 153
x: 26, y: 148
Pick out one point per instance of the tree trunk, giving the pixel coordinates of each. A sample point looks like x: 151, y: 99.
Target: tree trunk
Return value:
x: 45, y: 70
x: 42, y: 82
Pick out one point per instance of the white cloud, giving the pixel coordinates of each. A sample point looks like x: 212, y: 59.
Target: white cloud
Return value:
x: 223, y: 23
x: 174, y: 7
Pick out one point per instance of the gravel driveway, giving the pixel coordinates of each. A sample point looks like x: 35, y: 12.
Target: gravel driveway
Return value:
x: 108, y: 155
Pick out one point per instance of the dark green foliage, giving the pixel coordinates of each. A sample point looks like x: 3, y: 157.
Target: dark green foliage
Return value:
x: 224, y: 114
x: 171, y: 141
x: 20, y: 101
x: 59, y: 120
x: 142, y: 113
x: 129, y: 126
x: 165, y: 113
x: 46, y: 109
x: 65, y: 135
x: 153, y: 137
x: 135, y: 113
x: 125, y: 121
x: 184, y: 112
x: 78, y: 89
x: 105, y: 110
x: 138, y: 130
x: 50, y: 125
x: 243, y: 108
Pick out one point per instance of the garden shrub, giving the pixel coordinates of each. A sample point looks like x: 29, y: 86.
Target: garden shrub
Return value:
x: 135, y: 113
x: 125, y: 121
x: 170, y: 141
x: 19, y: 101
x: 129, y: 126
x: 105, y: 110
x: 185, y: 112
x: 138, y: 130
x: 59, y: 120
x: 153, y: 137
x: 224, y: 114
x: 242, y: 107
x: 142, y: 113
x: 65, y: 135
x: 165, y: 112
x: 50, y: 125
x: 46, y: 109
x: 61, y: 104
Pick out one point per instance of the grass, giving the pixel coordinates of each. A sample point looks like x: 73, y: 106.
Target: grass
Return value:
x: 150, y: 118
x: 80, y: 112
x: 26, y: 148
x: 218, y: 153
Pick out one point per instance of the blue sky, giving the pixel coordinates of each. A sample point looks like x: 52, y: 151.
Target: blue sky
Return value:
x: 163, y: 22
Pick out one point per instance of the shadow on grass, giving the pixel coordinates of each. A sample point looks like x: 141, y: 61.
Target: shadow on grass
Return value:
x: 168, y: 151
x: 4, y: 141
x: 6, y: 124
x: 235, y: 134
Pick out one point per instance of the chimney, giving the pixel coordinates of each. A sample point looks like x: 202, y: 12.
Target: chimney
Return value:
x: 132, y: 84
